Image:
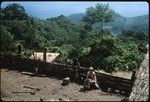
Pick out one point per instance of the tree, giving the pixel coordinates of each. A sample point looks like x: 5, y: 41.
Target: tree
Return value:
x: 2, y: 13
x: 99, y: 49
x: 15, y: 11
x: 100, y: 14
x: 83, y: 34
x: 6, y: 39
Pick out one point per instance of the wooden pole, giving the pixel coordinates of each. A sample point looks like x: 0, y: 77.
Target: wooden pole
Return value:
x: 19, y: 51
x: 44, y: 54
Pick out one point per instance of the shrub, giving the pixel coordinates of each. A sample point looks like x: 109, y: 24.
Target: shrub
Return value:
x: 27, y: 53
x: 142, y: 48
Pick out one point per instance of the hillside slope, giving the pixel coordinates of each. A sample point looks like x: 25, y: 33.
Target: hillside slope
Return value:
x: 120, y: 23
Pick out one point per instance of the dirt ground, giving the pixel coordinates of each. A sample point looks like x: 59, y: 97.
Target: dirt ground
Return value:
x: 50, y: 89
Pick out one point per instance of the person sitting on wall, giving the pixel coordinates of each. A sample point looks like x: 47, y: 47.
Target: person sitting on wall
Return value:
x: 91, y: 80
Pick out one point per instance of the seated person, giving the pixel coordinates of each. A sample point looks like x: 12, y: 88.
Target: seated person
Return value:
x: 91, y: 79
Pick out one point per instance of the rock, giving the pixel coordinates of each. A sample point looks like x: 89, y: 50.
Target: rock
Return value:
x: 41, y: 100
x: 117, y: 91
x: 126, y: 99
x: 109, y: 90
x: 32, y: 93
x: 140, y: 89
x: 66, y: 81
x: 60, y: 99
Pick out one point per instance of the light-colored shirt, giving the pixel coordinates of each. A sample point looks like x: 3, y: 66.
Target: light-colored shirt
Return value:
x: 91, y: 76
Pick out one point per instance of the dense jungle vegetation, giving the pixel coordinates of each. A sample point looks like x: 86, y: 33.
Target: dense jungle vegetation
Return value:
x: 88, y: 39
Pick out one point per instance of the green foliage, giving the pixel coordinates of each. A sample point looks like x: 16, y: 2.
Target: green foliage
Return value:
x: 21, y: 31
x: 105, y: 46
x: 129, y: 60
x: 142, y: 48
x: 134, y: 34
x: 74, y: 53
x: 97, y: 48
x: 119, y: 23
x: 16, y: 44
x: 14, y: 12
x: 132, y: 65
x: 64, y: 51
x: 100, y: 14
x: 83, y: 34
x: 114, y: 63
x: 84, y: 50
x: 6, y: 39
x: 133, y: 54
x: 101, y: 50
x: 27, y: 53
x: 54, y: 49
x: 105, y: 31
x: 133, y: 37
x: 139, y: 24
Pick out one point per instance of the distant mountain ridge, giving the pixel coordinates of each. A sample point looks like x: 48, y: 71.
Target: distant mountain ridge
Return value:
x: 76, y: 18
x: 120, y: 23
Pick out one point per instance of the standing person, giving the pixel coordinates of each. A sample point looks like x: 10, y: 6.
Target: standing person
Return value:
x: 67, y: 71
x: 91, y: 79
x: 76, y: 68
x: 133, y: 77
x: 44, y: 54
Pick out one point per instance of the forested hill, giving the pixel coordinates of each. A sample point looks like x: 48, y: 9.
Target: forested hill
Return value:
x: 93, y: 47
x: 120, y: 23
x: 76, y: 18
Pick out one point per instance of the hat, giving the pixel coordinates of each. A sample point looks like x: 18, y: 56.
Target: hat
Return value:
x: 91, y: 68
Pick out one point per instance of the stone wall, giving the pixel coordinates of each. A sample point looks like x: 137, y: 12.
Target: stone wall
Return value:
x: 140, y: 89
x: 59, y: 70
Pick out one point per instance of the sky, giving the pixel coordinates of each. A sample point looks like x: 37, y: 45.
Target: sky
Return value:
x: 45, y: 10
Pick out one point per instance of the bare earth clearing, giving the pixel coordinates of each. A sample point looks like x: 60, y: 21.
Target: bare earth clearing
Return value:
x: 50, y: 89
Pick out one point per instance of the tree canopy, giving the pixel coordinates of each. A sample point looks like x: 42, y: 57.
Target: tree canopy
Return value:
x: 14, y: 11
x: 57, y: 34
x: 101, y: 13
